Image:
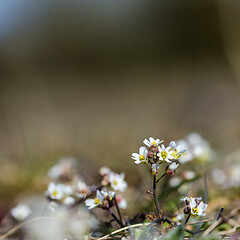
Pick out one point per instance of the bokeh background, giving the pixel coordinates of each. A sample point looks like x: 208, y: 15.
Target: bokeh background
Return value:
x: 92, y: 79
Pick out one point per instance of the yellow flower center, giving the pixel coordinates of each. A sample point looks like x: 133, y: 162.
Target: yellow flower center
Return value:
x: 115, y: 182
x: 176, y: 155
x: 154, y: 143
x: 195, y: 210
x: 141, y: 157
x: 97, y: 201
x: 55, y: 193
x: 164, y: 154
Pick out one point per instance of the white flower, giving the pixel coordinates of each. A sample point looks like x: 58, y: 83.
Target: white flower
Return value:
x: 122, y: 203
x: 173, y: 166
x: 55, y: 171
x: 189, y: 175
x: 21, y: 212
x: 154, y: 169
x: 53, y: 206
x: 175, y: 181
x: 55, y: 191
x: 104, y: 171
x: 141, y: 157
x: 197, y: 199
x: 177, y: 150
x: 234, y: 175
x: 152, y: 142
x: 92, y: 203
x: 165, y: 153
x: 195, y: 139
x: 171, y: 169
x: 179, y: 218
x: 197, y: 209
x: 117, y: 181
x: 184, y: 199
x: 68, y: 201
x: 108, y: 194
x: 67, y: 189
x: 82, y: 190
x: 63, y: 168
x: 186, y: 154
x: 186, y: 157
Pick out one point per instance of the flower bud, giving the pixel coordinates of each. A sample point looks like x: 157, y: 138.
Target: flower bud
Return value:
x: 154, y: 149
x: 150, y: 154
x: 186, y: 210
x: 171, y: 169
x: 149, y: 192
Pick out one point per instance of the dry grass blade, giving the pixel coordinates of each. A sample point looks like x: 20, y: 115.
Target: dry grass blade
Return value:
x: 13, y: 230
x: 220, y: 220
x: 119, y: 230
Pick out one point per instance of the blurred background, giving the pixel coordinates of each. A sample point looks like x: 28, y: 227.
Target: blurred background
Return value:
x: 92, y: 79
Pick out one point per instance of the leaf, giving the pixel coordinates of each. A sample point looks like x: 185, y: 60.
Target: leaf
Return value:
x: 175, y: 234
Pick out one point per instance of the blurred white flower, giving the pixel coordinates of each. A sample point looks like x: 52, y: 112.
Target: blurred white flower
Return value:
x: 63, y: 168
x: 117, y: 182
x: 55, y: 191
x: 109, y: 195
x: 92, y: 203
x: 175, y: 181
x: 165, y: 154
x: 82, y: 190
x: 235, y: 175
x: 219, y: 176
x: 197, y: 199
x: 67, y: 189
x: 21, y: 212
x: 104, y: 171
x: 194, y: 138
x: 141, y: 157
x: 52, y: 206
x: 179, y: 218
x: 152, y: 142
x: 227, y: 177
x: 189, y: 175
x: 68, y: 201
x: 122, y: 203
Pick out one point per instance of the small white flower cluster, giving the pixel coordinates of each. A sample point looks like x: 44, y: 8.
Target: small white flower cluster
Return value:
x: 155, y: 153
x: 197, y: 148
x: 226, y: 178
x: 64, y: 169
x: 104, y: 198
x: 21, y: 212
x: 67, y: 194
x: 195, y: 206
x: 63, y: 224
x: 114, y: 179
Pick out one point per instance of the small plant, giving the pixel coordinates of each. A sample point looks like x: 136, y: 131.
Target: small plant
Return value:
x: 76, y: 210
